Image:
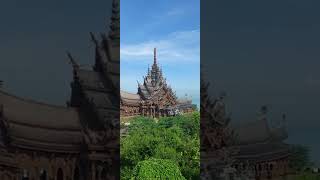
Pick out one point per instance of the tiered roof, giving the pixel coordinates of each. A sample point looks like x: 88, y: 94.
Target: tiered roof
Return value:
x: 98, y: 89
x: 258, y: 141
x: 154, y: 82
x: 259, y: 131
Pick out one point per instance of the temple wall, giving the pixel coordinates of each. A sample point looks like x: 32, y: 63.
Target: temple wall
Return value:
x: 147, y: 110
x: 273, y: 169
x: 129, y: 110
x: 152, y: 111
x: 36, y: 166
x: 52, y: 166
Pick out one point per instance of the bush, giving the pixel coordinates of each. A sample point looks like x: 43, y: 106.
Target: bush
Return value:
x: 157, y: 169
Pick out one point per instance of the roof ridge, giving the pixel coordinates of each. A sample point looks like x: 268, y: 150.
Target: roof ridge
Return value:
x: 34, y: 101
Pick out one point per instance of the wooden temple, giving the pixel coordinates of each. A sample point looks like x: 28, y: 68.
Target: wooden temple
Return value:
x: 79, y: 141
x: 155, y: 98
x: 253, y: 151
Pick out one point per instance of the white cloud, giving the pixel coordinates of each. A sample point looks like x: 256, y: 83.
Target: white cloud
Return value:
x: 175, y: 12
x: 177, y: 47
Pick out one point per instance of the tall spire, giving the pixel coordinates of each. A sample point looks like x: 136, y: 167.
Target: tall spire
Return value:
x: 155, y: 56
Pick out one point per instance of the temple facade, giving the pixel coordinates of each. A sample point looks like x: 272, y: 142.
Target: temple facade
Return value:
x: 262, y: 153
x: 79, y: 141
x: 154, y: 97
x: 253, y: 151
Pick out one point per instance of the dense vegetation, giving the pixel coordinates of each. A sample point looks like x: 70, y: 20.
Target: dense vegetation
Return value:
x: 170, y: 142
x: 301, y: 164
x: 299, y: 158
x: 157, y: 169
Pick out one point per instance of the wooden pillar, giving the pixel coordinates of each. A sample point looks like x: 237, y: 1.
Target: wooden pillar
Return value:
x: 152, y: 111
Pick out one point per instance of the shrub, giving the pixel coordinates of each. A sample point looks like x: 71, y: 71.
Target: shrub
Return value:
x: 157, y: 169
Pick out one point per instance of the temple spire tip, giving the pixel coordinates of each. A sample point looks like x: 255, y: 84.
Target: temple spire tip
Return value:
x: 155, y: 55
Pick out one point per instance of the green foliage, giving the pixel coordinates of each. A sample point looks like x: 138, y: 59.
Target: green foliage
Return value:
x: 157, y: 169
x: 141, y: 123
x: 195, y: 107
x: 172, y: 138
x: 306, y: 176
x: 299, y: 157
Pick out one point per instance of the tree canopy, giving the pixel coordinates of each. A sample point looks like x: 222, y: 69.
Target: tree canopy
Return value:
x: 175, y: 139
x: 299, y: 157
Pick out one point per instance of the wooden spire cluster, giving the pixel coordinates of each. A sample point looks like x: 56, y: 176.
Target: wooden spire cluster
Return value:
x: 155, y: 84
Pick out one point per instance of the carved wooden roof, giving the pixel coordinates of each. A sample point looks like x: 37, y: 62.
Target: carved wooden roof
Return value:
x: 262, y: 152
x: 36, y: 125
x: 130, y: 98
x: 259, y: 131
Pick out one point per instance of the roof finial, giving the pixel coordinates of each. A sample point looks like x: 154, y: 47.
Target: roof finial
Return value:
x: 155, y: 56
x: 93, y: 38
x: 74, y: 64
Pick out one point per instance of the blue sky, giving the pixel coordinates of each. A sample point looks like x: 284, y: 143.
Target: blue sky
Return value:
x: 173, y: 27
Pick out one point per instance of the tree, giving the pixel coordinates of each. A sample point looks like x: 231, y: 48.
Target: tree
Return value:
x: 157, y: 169
x: 299, y: 157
